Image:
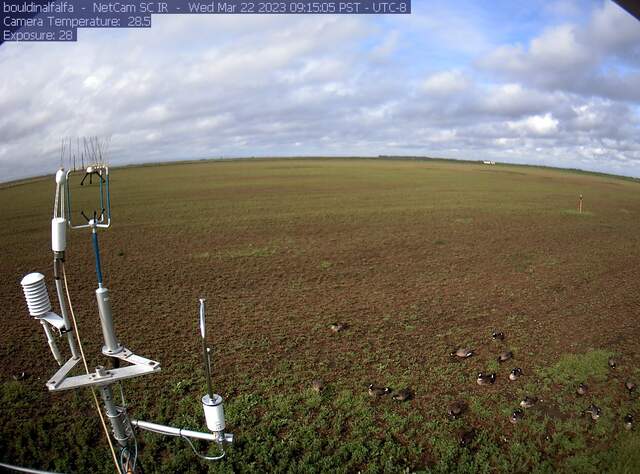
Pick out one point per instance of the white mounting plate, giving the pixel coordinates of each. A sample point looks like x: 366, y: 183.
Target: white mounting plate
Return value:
x: 141, y: 366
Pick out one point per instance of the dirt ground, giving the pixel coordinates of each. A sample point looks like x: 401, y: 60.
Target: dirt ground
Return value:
x: 416, y: 258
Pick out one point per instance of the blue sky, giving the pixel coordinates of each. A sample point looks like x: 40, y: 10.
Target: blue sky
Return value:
x: 552, y: 83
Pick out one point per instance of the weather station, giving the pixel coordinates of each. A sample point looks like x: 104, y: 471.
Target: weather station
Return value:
x: 123, y: 363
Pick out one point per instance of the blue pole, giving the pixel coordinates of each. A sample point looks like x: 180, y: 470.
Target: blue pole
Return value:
x: 96, y: 251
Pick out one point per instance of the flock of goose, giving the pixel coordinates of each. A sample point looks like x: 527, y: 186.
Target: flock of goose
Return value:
x: 459, y: 407
x: 593, y: 411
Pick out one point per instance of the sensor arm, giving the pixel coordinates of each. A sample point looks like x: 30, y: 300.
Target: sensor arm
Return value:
x: 219, y: 437
x: 52, y: 343
x: 181, y: 432
x: 58, y: 246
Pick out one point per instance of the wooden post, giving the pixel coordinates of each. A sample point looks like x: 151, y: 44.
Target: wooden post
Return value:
x: 580, y: 205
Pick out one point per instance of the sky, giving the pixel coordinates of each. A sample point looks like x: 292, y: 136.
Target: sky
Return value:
x: 552, y: 83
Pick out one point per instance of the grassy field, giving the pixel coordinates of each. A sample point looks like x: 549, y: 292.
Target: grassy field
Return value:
x: 416, y: 258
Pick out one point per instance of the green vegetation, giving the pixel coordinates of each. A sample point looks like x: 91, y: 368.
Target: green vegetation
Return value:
x: 576, y: 368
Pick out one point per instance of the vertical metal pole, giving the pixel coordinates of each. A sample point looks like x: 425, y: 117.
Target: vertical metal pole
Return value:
x: 102, y: 210
x: 96, y: 251
x: 205, y: 352
x: 63, y: 310
x: 108, y: 196
x: 63, y: 307
x: 104, y: 305
x: 121, y: 428
x: 581, y: 204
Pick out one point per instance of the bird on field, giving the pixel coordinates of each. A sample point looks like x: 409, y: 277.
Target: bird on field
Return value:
x: 505, y: 356
x: 582, y: 389
x: 612, y: 363
x: 593, y: 411
x: 528, y: 402
x: 515, y: 374
x: 467, y: 437
x: 486, y: 379
x: 462, y: 352
x: 456, y: 409
x: 317, y: 385
x: 630, y: 386
x: 20, y: 376
x: 375, y: 391
x: 516, y: 416
x: 402, y: 395
x: 628, y: 421
x: 337, y: 327
x: 497, y: 336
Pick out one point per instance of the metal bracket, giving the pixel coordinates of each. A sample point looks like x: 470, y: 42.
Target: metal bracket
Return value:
x: 128, y: 356
x: 141, y: 366
x: 53, y: 319
x: 61, y: 374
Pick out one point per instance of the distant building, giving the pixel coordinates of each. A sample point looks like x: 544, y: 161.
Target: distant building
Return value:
x: 486, y: 162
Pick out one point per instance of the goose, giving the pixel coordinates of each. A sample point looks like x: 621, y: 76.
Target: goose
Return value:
x: 582, y: 389
x: 456, y: 409
x: 317, y: 385
x: 593, y: 411
x: 516, y: 416
x: 337, y: 327
x: 467, y: 437
x: 628, y: 421
x: 497, y: 336
x: 630, y: 386
x: 528, y: 402
x: 20, y: 376
x: 612, y: 363
x: 505, y: 356
x: 486, y: 379
x: 402, y: 395
x: 515, y: 374
x: 375, y: 391
x: 462, y: 352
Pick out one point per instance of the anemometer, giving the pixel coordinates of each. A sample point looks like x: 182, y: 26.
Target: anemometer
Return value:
x: 124, y: 364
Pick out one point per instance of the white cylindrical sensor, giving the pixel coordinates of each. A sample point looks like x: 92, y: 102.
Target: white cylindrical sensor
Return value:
x: 111, y: 344
x: 35, y: 292
x: 213, y: 412
x: 58, y: 234
x: 61, y: 177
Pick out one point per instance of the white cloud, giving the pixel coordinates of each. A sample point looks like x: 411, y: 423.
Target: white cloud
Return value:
x: 536, y: 125
x: 577, y: 57
x: 611, y: 29
x: 446, y: 83
x: 512, y: 99
x: 559, y: 48
x: 549, y: 58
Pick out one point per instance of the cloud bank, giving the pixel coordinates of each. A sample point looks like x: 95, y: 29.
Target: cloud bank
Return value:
x: 549, y: 83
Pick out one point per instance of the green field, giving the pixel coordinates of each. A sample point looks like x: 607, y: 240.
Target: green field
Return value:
x: 415, y: 257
